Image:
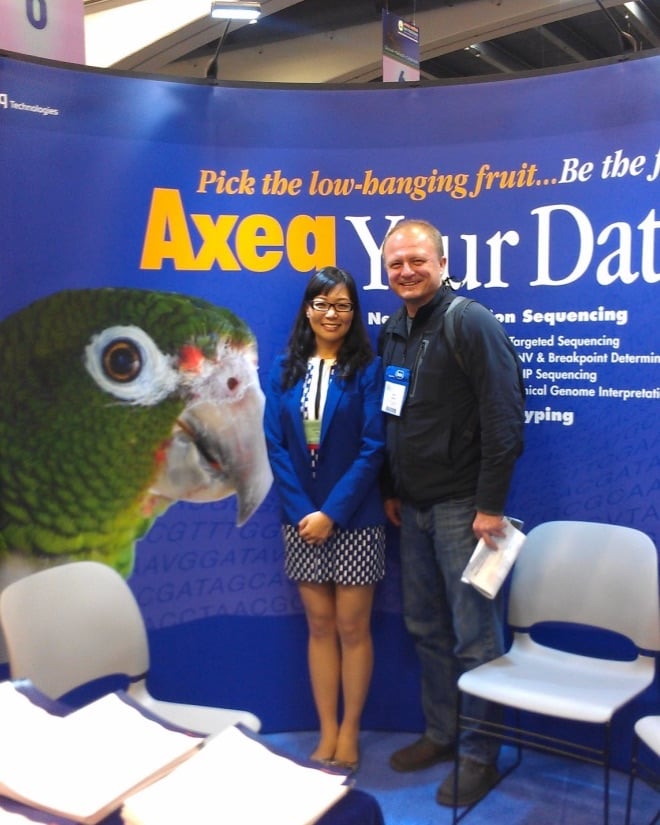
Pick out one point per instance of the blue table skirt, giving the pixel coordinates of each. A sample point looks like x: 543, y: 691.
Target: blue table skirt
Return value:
x: 356, y: 808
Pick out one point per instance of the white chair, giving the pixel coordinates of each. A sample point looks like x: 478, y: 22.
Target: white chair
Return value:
x: 69, y: 625
x: 647, y: 731
x: 584, y: 575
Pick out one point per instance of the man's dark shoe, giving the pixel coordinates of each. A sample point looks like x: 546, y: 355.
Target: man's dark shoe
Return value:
x: 475, y: 779
x: 421, y: 754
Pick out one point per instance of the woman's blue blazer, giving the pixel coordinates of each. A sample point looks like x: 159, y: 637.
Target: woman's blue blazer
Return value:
x: 351, y: 449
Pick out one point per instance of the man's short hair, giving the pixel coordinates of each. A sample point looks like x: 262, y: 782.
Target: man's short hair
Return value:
x: 432, y: 231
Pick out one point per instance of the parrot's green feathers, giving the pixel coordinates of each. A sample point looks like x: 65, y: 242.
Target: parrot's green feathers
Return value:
x: 94, y: 382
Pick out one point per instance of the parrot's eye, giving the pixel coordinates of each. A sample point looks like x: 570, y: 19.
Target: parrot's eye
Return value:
x: 127, y: 363
x: 122, y: 360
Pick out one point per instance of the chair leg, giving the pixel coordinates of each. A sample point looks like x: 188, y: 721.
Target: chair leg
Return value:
x: 638, y: 771
x: 606, y: 774
x: 631, y: 778
x: 455, y: 816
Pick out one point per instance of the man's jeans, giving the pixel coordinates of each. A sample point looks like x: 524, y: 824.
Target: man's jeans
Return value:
x: 454, y: 627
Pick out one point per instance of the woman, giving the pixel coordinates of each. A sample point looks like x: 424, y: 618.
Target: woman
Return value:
x: 325, y: 436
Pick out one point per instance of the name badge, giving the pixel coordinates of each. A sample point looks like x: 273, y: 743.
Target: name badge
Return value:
x: 312, y: 432
x: 397, y: 381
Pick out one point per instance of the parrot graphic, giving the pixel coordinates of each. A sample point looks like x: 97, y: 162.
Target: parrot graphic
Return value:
x: 116, y: 403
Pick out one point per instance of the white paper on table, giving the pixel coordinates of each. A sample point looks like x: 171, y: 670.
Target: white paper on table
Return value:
x: 80, y: 766
x: 236, y: 779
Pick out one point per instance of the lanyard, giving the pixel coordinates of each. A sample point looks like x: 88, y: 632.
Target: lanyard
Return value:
x: 317, y: 400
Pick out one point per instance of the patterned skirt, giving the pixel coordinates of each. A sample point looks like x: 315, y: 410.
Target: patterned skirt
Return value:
x: 348, y: 557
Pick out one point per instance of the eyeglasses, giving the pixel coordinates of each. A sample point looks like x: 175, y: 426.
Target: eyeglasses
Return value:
x: 321, y: 305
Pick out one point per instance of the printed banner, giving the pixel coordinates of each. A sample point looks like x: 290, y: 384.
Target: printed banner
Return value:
x: 400, y: 49
x: 53, y: 29
x: 546, y: 189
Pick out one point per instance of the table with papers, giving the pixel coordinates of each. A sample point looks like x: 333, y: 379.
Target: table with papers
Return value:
x: 260, y: 783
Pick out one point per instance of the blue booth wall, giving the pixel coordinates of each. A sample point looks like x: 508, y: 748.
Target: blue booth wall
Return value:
x: 546, y: 188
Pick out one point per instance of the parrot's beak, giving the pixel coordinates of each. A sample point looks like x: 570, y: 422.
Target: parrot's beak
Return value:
x: 219, y: 448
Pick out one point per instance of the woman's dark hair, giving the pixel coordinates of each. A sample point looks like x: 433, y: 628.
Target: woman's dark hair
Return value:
x: 356, y: 350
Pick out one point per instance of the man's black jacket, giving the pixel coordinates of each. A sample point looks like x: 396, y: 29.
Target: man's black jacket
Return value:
x: 461, y: 428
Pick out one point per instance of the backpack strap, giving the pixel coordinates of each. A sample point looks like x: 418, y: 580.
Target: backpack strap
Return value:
x: 452, y: 319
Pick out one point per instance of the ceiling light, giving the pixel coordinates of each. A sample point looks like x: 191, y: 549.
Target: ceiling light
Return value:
x: 228, y: 10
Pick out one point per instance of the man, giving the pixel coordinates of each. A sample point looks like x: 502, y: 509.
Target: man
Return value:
x: 454, y: 432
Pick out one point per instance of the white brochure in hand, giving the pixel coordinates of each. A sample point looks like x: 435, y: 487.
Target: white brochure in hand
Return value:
x: 488, y: 568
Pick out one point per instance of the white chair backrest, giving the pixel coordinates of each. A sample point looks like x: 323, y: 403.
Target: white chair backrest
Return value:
x: 71, y: 624
x: 587, y: 573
